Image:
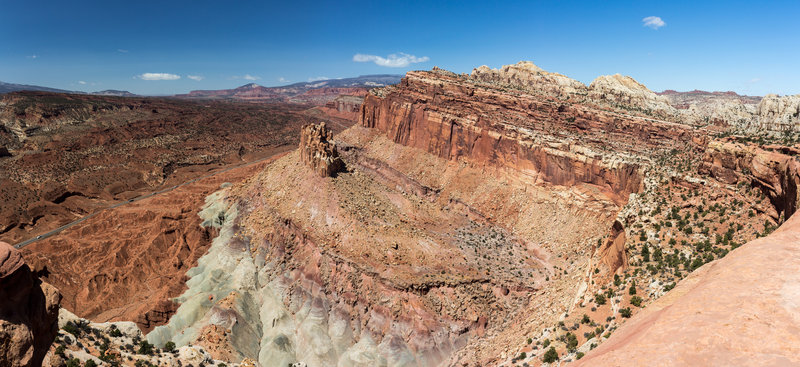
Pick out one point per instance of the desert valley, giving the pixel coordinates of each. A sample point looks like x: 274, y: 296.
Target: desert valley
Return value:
x: 509, y: 216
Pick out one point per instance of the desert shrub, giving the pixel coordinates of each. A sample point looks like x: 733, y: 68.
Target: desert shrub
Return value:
x: 169, y: 346
x: 636, y: 301
x: 571, y: 340
x: 600, y: 299
x: 71, y: 328
x: 145, y: 348
x: 625, y: 312
x: 550, y: 356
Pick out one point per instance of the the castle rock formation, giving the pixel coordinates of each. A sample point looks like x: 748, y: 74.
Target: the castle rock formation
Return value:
x: 28, y: 312
x: 318, y: 151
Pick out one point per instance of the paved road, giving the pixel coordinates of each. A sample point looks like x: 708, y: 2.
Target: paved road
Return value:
x: 117, y: 205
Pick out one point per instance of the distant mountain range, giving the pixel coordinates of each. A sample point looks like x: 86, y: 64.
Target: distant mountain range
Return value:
x: 311, y: 92
x: 315, y: 92
x: 11, y: 87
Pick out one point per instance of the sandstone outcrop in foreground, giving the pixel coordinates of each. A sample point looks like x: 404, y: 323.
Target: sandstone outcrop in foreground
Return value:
x: 739, y: 310
x: 28, y: 312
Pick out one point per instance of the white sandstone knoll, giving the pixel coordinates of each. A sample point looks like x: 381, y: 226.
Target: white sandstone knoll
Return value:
x: 625, y: 92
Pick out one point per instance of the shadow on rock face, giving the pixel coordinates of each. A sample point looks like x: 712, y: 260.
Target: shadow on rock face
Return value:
x: 28, y: 312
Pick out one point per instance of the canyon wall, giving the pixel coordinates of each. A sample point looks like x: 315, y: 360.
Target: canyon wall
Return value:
x: 558, y: 142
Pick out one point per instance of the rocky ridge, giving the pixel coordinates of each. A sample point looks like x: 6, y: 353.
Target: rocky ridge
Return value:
x: 28, y: 312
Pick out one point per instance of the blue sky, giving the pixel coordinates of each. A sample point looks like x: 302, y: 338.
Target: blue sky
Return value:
x: 745, y: 46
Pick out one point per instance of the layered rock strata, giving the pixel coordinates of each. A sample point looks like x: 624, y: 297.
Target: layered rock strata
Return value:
x: 558, y: 142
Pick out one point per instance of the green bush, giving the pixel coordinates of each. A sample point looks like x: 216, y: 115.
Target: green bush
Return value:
x: 90, y: 363
x: 636, y: 301
x: 145, y: 348
x: 600, y: 299
x: 71, y: 328
x: 550, y: 356
x: 169, y: 346
x: 625, y: 312
x: 632, y: 289
x: 579, y: 355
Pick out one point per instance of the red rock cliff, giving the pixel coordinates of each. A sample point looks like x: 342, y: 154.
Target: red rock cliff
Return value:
x: 558, y: 142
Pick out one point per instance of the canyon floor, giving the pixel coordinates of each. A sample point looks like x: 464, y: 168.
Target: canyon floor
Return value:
x: 504, y: 217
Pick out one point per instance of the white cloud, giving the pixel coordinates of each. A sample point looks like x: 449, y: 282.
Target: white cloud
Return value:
x: 121, y: 50
x: 159, y: 76
x: 316, y: 79
x: 653, y: 22
x: 397, y: 60
x: 245, y: 77
x: 196, y: 77
x: 283, y: 80
x: 81, y: 82
x: 32, y: 56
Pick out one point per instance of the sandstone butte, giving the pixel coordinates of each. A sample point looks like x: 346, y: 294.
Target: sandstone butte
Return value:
x: 474, y: 220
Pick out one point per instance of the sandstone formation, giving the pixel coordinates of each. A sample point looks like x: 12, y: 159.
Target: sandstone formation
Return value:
x: 779, y: 113
x: 28, y: 312
x: 777, y: 173
x: 727, y: 110
x: 626, y: 93
x: 530, y: 78
x: 318, y: 151
x: 557, y: 142
x: 612, y: 253
x: 725, y: 313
